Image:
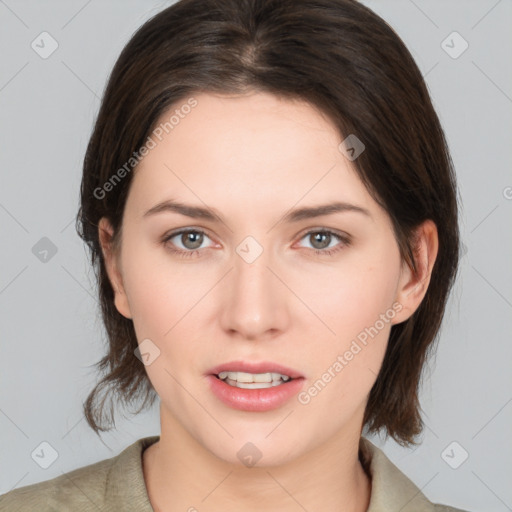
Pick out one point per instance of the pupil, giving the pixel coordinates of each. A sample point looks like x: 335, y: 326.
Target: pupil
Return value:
x: 326, y: 236
x: 194, y: 237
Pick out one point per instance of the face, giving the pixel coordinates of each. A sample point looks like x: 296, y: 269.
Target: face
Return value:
x: 255, y: 280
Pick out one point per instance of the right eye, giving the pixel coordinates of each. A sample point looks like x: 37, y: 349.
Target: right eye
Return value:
x: 190, y: 240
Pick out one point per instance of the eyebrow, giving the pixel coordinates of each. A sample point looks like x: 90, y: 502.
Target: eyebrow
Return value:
x: 298, y: 214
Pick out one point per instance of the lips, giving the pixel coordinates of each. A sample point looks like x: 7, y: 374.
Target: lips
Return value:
x: 253, y: 367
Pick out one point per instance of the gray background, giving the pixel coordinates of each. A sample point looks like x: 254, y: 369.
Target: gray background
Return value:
x: 51, y: 330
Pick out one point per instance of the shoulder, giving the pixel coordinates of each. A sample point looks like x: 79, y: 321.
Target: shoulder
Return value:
x: 103, y: 485
x: 391, y: 489
x: 80, y: 488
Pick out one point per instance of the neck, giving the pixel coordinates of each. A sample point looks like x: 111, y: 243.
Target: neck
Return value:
x: 181, y: 474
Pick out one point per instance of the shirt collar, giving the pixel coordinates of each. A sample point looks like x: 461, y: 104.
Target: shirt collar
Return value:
x: 125, y: 486
x: 391, y: 490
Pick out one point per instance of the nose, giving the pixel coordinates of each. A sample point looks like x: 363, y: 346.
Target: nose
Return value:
x: 254, y: 303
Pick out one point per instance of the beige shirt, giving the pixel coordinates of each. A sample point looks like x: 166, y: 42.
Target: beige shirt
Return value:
x: 117, y: 484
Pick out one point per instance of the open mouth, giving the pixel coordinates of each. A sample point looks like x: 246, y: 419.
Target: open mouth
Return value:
x: 254, y: 392
x: 253, y: 381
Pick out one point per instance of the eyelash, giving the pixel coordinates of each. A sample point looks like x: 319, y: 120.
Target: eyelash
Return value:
x: 321, y: 252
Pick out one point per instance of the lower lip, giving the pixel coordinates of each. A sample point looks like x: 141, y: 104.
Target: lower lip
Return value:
x: 255, y: 400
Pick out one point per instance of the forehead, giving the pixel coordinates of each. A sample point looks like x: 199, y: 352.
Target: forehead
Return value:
x: 255, y: 149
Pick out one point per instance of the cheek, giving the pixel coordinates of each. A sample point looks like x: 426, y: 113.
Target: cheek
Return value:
x: 165, y: 303
x: 349, y: 298
x: 356, y: 303
x: 159, y: 294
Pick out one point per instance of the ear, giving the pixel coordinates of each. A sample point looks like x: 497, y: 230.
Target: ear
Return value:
x: 412, y: 288
x: 111, y: 258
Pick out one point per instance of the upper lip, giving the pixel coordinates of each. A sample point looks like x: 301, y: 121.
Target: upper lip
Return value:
x: 255, y: 367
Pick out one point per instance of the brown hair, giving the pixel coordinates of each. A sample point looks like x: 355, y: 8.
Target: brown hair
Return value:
x: 343, y: 59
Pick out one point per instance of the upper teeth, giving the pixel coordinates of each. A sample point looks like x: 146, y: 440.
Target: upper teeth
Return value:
x: 253, y: 377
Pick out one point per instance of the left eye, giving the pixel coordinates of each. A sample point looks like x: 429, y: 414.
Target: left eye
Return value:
x: 321, y: 239
x: 190, y: 239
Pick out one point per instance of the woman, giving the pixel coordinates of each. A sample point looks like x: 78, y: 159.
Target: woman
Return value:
x: 271, y: 210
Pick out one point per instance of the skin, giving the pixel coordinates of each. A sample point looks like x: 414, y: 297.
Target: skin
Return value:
x: 250, y: 159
